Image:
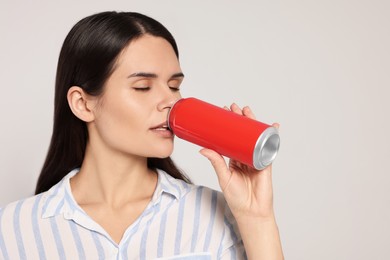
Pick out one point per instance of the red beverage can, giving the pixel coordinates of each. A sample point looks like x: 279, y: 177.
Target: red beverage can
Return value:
x: 235, y: 136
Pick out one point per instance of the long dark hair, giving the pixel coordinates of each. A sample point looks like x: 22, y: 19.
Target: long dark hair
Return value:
x: 87, y: 58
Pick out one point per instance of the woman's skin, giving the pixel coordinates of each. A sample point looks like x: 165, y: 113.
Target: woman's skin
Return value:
x: 127, y: 124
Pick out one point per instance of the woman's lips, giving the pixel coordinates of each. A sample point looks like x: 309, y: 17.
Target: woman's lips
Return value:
x: 162, y: 130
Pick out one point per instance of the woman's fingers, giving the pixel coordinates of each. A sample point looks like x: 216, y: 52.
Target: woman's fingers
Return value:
x: 246, y: 111
x: 236, y: 109
x: 276, y: 125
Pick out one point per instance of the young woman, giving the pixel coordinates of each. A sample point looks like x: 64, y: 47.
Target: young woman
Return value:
x: 108, y: 188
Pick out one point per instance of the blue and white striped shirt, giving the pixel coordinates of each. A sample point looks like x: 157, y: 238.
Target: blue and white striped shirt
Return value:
x: 181, y: 221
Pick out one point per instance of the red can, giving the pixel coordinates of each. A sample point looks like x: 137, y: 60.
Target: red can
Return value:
x: 235, y: 136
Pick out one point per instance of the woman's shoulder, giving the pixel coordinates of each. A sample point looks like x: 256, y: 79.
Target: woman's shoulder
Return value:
x: 20, y: 207
x: 208, y: 208
x: 192, y: 193
x: 206, y: 194
x: 206, y: 200
x: 36, y: 204
x: 213, y: 202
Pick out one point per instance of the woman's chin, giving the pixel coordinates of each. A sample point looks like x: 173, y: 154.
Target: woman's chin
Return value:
x: 163, y: 153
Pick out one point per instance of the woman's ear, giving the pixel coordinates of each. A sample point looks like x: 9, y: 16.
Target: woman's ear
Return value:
x: 81, y: 104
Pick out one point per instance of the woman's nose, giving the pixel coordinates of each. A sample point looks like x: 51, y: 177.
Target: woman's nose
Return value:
x: 168, y: 102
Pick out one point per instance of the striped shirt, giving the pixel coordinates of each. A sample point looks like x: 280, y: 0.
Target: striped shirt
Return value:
x: 181, y: 221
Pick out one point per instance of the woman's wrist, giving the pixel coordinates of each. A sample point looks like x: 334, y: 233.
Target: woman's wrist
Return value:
x: 252, y: 223
x: 262, y: 215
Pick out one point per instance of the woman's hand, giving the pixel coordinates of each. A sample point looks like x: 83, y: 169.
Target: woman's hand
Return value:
x: 248, y: 191
x: 249, y: 195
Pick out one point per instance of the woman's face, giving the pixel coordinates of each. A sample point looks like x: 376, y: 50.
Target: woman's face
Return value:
x: 131, y: 115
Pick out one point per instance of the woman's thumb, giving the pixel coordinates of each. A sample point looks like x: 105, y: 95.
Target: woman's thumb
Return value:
x: 218, y: 162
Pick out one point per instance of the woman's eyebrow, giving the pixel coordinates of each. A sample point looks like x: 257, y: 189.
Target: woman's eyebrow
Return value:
x: 143, y: 75
x: 177, y: 75
x: 153, y: 75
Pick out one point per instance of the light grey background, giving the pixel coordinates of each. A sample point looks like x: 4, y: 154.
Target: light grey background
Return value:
x: 319, y: 68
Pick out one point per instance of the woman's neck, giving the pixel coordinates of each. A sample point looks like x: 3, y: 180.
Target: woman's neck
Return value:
x: 112, y: 179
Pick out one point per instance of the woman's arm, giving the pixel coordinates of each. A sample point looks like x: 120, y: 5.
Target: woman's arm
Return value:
x: 249, y: 195
x: 261, y: 238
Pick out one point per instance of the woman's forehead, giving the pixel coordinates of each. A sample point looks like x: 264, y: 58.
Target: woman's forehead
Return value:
x: 148, y: 54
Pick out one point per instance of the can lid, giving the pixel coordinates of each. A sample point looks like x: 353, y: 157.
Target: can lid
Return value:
x: 169, y: 112
x: 266, y: 148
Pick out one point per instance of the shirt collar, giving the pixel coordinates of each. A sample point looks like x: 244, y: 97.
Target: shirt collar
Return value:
x: 169, y: 185
x: 59, y: 196
x: 60, y: 200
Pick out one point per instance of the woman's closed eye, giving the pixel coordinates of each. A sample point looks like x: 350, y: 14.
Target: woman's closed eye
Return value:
x: 175, y: 89
x: 142, y: 85
x: 174, y: 84
x: 143, y: 89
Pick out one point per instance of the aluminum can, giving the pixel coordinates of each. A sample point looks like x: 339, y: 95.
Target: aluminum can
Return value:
x: 235, y: 136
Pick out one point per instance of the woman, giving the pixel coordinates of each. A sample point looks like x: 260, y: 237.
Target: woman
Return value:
x: 108, y: 188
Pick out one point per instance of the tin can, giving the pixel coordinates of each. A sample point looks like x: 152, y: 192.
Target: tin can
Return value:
x: 235, y: 136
